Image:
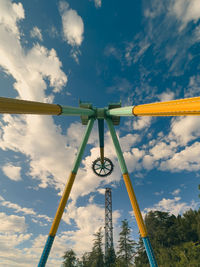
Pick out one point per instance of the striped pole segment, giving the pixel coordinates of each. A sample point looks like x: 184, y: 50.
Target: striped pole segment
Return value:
x: 17, y: 106
x: 181, y: 107
x: 101, y: 138
x: 65, y: 196
x: 132, y: 197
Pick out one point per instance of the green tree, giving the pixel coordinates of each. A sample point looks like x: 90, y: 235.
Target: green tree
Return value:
x: 126, y: 246
x: 69, y: 259
x: 110, y: 258
x: 175, y: 240
x: 96, y: 256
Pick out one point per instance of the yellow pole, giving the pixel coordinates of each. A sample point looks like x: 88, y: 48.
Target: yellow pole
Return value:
x: 181, y: 107
x: 16, y: 106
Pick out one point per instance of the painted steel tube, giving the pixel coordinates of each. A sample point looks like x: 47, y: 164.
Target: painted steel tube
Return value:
x: 82, y: 146
x: 101, y: 132
x: 66, y: 194
x: 150, y: 253
x: 62, y: 204
x: 117, y: 146
x: 124, y: 111
x: 135, y: 206
x: 46, y: 251
x: 17, y: 106
x: 181, y: 107
x: 69, y: 111
x: 101, y: 138
x: 129, y: 187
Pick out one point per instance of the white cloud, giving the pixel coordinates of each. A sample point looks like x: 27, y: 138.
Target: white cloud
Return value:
x: 26, y: 211
x: 10, y: 14
x: 165, y: 20
x: 136, y: 49
x: 141, y: 123
x: 176, y: 192
x: 159, y: 193
x: 173, y: 206
x: 13, y: 172
x: 186, y: 11
x: 185, y: 129
x: 97, y: 3
x: 166, y: 96
x: 88, y: 220
x: 73, y: 26
x: 36, y: 33
x: 187, y: 159
x: 12, y: 223
x: 193, y: 87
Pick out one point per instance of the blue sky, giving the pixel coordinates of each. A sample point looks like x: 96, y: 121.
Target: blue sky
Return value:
x: 101, y: 52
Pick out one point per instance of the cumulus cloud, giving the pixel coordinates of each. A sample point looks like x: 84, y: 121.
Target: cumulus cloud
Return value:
x: 73, y: 28
x: 10, y: 15
x: 23, y: 210
x: 88, y: 220
x: 173, y: 206
x: 185, y: 129
x: 166, y: 96
x: 12, y: 172
x: 36, y: 33
x: 12, y: 223
x: 186, y: 10
x: 141, y: 123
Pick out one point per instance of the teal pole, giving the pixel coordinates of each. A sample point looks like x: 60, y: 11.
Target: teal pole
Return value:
x: 132, y: 196
x: 123, y: 111
x: 65, y: 197
x: 69, y: 111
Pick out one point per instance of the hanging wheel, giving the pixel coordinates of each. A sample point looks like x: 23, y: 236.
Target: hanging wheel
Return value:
x: 104, y: 169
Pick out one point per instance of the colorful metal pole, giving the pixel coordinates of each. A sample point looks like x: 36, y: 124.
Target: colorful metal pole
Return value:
x: 133, y: 200
x: 65, y: 196
x: 181, y: 107
x: 17, y: 106
x: 101, y: 138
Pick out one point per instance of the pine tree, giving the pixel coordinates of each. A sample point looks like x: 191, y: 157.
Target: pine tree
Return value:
x: 69, y: 259
x: 110, y: 258
x: 126, y: 246
x: 97, y: 256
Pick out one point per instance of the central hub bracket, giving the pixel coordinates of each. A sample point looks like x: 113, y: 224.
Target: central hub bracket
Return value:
x: 101, y: 113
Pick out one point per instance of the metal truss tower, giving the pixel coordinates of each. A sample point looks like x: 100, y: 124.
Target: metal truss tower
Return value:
x: 108, y: 222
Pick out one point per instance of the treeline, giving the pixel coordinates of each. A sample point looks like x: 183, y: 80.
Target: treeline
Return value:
x: 175, y: 240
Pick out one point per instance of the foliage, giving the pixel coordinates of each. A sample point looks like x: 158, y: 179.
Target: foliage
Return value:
x: 110, y: 258
x: 175, y: 240
x: 126, y: 246
x: 69, y: 259
x: 97, y: 256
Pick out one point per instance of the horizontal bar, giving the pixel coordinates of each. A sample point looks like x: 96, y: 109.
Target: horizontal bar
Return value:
x: 181, y: 107
x: 124, y: 111
x: 67, y: 110
x: 17, y: 106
